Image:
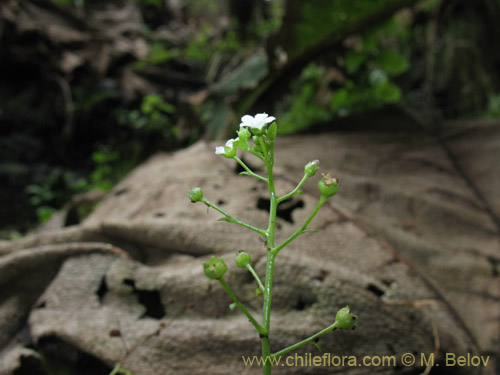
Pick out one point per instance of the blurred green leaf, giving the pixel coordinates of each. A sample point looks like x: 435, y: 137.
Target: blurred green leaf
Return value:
x: 392, y: 62
x: 353, y: 61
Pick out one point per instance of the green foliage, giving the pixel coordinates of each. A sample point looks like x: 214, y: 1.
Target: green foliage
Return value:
x: 87, y: 97
x: 493, y: 110
x: 323, y: 18
x: 74, y: 3
x: 44, y: 213
x: 202, y: 47
x: 110, y: 161
x: 150, y: 2
x: 369, y: 65
x: 158, y: 55
x: 47, y: 191
x: 303, y: 108
x: 153, y: 117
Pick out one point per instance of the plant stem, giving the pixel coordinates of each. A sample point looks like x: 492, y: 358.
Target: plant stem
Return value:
x: 294, y: 191
x: 258, y: 327
x: 271, y: 229
x: 302, y: 229
x: 256, y: 277
x: 248, y: 170
x: 231, y: 219
x: 304, y: 342
x: 116, y: 369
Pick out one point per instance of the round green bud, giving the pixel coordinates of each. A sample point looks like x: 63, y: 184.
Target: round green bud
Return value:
x: 244, y: 134
x: 195, y: 194
x: 311, y: 168
x: 346, y: 320
x: 328, y: 185
x: 243, y: 259
x: 215, y: 268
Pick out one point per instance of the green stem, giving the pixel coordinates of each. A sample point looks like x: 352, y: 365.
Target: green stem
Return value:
x: 258, y: 327
x: 309, y: 340
x: 249, y: 171
x: 267, y: 158
x: 256, y: 277
x: 260, y: 156
x: 294, y: 191
x: 302, y: 229
x: 231, y: 219
x: 271, y: 229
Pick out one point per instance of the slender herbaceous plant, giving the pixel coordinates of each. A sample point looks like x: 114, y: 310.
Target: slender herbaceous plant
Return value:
x: 257, y: 136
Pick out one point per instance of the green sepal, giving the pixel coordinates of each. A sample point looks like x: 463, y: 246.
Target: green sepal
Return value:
x: 241, y: 144
x: 229, y: 152
x: 258, y: 292
x: 272, y: 131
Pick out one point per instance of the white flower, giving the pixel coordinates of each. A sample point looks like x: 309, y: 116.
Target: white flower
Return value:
x: 256, y: 122
x: 229, y: 143
x: 221, y: 150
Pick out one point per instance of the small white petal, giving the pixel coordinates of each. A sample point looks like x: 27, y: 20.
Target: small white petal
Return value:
x: 219, y: 150
x: 247, y: 120
x: 230, y: 142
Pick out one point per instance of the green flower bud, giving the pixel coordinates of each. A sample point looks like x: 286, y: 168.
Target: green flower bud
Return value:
x: 311, y: 168
x: 328, y: 185
x: 244, y: 134
x: 243, y: 259
x: 195, y: 194
x: 215, y: 268
x: 345, y: 320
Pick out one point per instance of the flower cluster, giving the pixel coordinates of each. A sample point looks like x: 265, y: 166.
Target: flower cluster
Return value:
x: 250, y: 125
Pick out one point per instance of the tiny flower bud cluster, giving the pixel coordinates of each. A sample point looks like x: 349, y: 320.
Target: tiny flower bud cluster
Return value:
x: 250, y: 125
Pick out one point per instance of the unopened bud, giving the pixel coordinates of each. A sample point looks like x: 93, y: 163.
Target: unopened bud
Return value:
x: 311, y: 168
x: 243, y: 259
x: 195, y: 194
x: 346, y: 320
x: 215, y: 268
